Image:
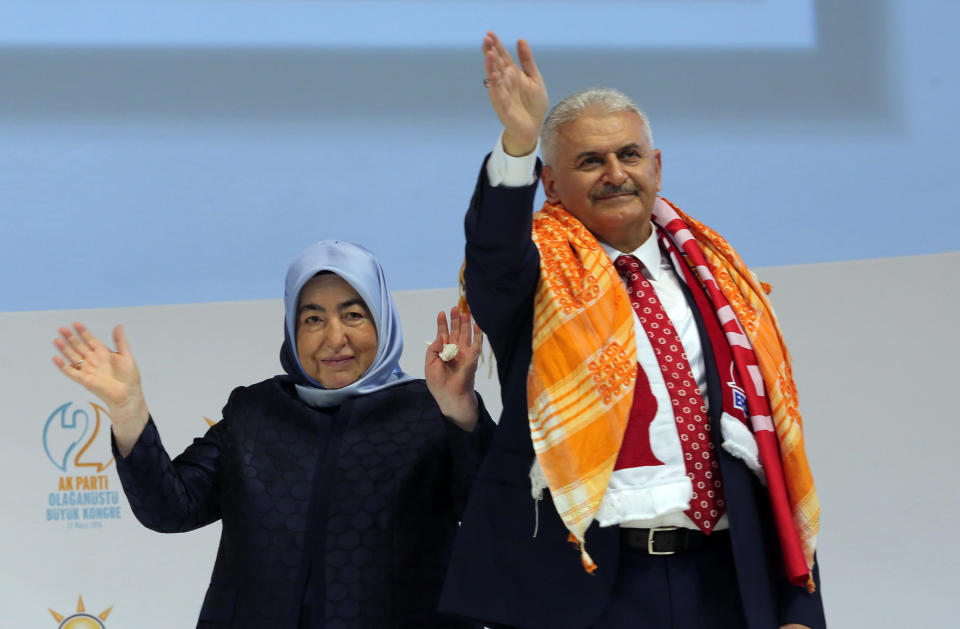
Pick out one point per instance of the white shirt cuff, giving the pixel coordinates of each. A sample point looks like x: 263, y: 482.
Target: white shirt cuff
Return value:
x: 508, y: 171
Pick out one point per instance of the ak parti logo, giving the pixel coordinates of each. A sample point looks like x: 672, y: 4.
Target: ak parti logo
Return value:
x: 83, y: 497
x: 81, y: 619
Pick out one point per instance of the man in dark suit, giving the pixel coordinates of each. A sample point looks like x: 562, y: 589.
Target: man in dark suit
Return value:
x: 651, y: 556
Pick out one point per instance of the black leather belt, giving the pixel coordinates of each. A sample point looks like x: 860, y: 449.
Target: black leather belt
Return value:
x: 666, y: 540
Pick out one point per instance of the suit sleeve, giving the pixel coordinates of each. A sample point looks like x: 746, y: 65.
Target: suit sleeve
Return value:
x: 799, y: 606
x: 173, y: 496
x: 502, y: 261
x: 467, y: 451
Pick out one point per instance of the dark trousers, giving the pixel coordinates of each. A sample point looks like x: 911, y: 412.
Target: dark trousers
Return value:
x: 687, y: 590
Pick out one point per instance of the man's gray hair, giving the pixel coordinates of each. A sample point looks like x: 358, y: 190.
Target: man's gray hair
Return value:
x: 605, y: 100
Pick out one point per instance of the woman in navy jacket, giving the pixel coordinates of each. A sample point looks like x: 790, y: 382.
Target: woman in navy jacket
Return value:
x: 340, y: 484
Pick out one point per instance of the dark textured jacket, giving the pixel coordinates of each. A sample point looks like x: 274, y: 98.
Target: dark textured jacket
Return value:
x: 334, y: 518
x: 501, y: 572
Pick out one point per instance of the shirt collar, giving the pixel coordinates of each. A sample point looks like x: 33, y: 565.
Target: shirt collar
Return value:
x: 648, y: 253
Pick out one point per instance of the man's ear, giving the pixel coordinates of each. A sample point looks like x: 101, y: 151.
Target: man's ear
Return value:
x: 659, y: 161
x: 549, y: 184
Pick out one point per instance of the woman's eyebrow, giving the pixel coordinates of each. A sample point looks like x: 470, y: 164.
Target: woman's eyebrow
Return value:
x: 352, y: 302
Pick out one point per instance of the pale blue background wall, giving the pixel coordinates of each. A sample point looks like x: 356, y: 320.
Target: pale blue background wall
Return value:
x: 173, y: 152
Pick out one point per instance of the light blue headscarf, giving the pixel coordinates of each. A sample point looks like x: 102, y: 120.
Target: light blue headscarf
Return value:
x: 361, y: 270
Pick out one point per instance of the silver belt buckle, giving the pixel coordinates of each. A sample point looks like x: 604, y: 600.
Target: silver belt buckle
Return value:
x: 650, y: 549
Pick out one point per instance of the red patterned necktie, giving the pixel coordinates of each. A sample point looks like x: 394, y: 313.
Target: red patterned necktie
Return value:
x: 706, y: 503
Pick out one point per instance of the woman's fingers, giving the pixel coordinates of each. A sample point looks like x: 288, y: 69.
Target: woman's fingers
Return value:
x: 63, y: 366
x: 455, y: 335
x: 120, y: 341
x: 78, y: 346
x: 460, y: 332
x: 443, y: 333
x: 71, y: 363
x: 466, y: 330
x: 87, y: 337
x: 70, y: 353
x: 477, y: 339
x: 465, y: 335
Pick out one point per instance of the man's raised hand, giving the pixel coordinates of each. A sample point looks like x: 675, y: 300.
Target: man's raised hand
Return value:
x: 517, y: 93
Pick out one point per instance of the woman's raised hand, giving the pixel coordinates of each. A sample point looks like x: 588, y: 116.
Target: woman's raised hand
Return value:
x: 112, y: 376
x: 451, y: 381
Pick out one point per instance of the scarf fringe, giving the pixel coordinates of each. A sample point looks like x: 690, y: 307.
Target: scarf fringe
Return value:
x: 538, y: 482
x: 585, y: 558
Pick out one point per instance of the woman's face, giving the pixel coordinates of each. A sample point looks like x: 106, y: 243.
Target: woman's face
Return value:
x: 336, y: 335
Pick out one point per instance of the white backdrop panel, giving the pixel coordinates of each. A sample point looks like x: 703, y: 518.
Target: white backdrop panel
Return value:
x: 874, y: 344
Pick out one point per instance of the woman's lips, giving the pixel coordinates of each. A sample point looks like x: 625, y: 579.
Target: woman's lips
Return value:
x: 336, y: 361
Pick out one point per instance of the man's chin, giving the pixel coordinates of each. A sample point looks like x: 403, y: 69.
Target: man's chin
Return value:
x: 625, y: 230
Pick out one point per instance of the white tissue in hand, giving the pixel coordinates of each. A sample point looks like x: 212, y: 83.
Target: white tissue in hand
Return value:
x: 449, y: 351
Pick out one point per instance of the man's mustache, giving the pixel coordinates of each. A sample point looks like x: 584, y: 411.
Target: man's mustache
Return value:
x: 609, y: 191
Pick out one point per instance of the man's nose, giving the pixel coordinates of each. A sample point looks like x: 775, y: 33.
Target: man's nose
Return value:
x: 613, y: 171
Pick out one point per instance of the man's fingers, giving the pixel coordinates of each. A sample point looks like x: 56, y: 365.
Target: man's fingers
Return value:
x: 525, y: 55
x: 502, y: 53
x: 489, y: 67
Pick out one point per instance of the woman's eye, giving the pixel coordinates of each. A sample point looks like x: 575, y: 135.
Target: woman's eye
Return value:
x: 312, y: 319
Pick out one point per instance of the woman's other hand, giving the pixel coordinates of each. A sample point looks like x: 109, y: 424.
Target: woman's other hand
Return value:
x: 451, y: 382
x: 112, y: 376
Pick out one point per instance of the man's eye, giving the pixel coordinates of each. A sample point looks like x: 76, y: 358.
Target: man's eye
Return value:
x: 589, y: 162
x: 631, y: 155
